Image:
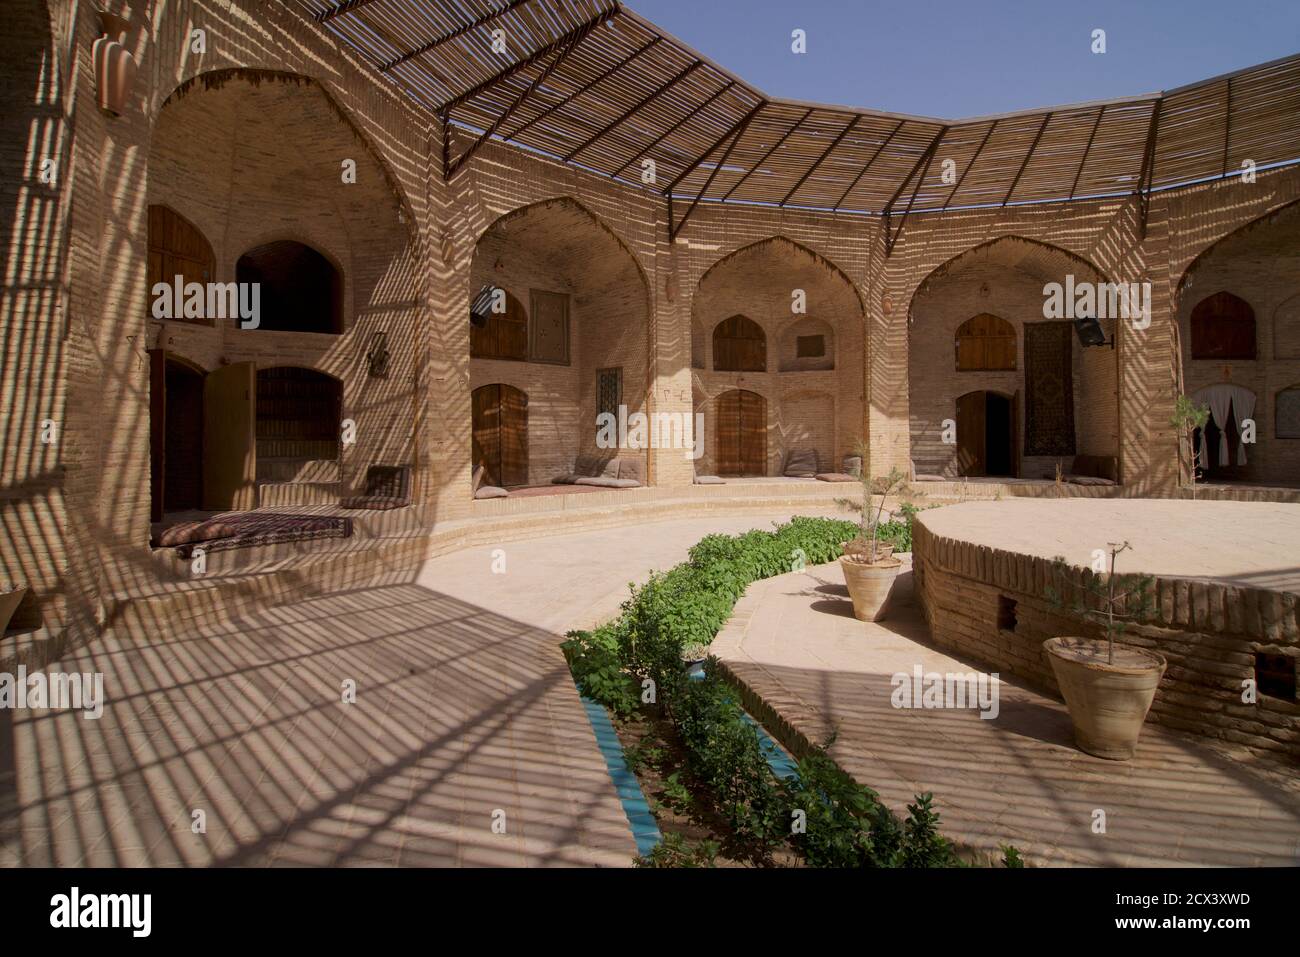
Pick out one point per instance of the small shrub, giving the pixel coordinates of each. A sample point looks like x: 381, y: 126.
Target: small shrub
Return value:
x: 675, y: 851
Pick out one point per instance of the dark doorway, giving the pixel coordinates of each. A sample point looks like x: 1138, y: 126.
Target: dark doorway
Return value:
x: 183, y: 442
x: 742, y: 433
x: 986, y: 435
x: 500, y: 434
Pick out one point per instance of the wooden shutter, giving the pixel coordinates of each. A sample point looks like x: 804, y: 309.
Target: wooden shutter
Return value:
x: 728, y: 426
x: 177, y: 247
x: 739, y: 345
x: 502, y: 335
x: 985, y: 342
x: 486, y: 431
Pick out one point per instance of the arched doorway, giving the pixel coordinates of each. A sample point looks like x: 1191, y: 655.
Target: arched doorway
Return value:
x: 500, y: 434
x: 742, y: 433
x: 987, y: 434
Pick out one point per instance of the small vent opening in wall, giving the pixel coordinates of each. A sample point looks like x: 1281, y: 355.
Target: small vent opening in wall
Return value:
x: 1006, y: 613
x: 1275, y: 675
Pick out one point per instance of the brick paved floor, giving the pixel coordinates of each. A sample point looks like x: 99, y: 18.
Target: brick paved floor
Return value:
x: 1016, y: 779
x: 464, y: 706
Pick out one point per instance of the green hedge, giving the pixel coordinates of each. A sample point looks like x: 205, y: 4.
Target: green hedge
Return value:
x: 620, y: 663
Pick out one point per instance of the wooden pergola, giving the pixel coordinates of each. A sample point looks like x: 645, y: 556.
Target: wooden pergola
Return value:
x: 592, y: 83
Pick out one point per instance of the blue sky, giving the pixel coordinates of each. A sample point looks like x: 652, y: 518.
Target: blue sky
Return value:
x: 953, y: 59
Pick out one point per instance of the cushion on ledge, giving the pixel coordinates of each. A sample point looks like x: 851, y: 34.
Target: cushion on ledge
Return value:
x: 491, y: 491
x: 836, y: 477
x: 189, y: 532
x: 374, y: 502
x: 709, y: 480
x: 1086, y: 480
x: 801, y: 463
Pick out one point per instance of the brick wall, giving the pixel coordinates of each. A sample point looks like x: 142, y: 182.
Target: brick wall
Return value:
x: 1208, y: 632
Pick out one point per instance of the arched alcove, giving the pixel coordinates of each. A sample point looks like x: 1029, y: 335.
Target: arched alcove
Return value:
x: 301, y: 290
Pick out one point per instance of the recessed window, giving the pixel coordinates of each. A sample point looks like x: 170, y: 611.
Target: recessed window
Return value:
x: 1223, y: 327
x: 1286, y: 416
x: 1006, y: 613
x: 810, y: 347
x: 1275, y: 676
x: 301, y: 291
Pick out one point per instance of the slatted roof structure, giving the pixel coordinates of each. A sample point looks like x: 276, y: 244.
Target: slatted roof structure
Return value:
x: 594, y: 84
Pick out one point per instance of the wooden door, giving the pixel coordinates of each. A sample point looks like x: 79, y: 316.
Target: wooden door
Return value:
x: 742, y: 433
x: 229, y: 449
x: 500, y: 434
x: 514, y: 436
x: 183, y: 437
x: 157, y: 432
x: 970, y: 434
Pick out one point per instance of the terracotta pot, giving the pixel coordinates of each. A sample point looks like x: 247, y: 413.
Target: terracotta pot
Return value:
x: 870, y: 586
x: 9, y: 601
x: 114, y: 65
x: 1108, y: 702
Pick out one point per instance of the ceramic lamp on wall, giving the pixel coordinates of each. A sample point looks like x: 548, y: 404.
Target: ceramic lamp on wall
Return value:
x: 114, y: 65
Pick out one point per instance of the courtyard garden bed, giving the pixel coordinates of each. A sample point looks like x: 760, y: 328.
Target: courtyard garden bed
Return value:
x: 698, y: 755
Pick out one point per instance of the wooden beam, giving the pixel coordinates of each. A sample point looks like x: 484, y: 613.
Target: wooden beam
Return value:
x: 347, y: 6
x: 674, y: 128
x: 925, y: 158
x: 821, y: 159
x: 890, y: 242
x: 691, y: 167
x: 1025, y: 165
x: 528, y: 61
x: 658, y: 91
x: 1086, y: 150
x: 775, y: 146
x: 556, y: 60
x: 740, y: 132
x: 1148, y: 170
x: 863, y: 172
x: 584, y: 88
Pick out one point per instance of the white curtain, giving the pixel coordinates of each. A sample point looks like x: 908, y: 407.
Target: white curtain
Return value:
x: 1243, y: 407
x: 1219, y: 399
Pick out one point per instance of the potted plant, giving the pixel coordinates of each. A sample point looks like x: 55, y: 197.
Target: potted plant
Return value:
x: 1108, y: 686
x: 11, y: 595
x: 869, y: 569
x: 1187, y: 418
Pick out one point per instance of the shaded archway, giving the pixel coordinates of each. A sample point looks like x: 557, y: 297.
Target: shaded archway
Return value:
x: 1239, y: 330
x: 500, y: 434
x: 787, y: 323
x: 576, y: 318
x: 981, y: 353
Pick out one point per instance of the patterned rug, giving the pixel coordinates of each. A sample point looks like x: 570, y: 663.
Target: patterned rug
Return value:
x: 251, y: 529
x: 1049, y: 388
